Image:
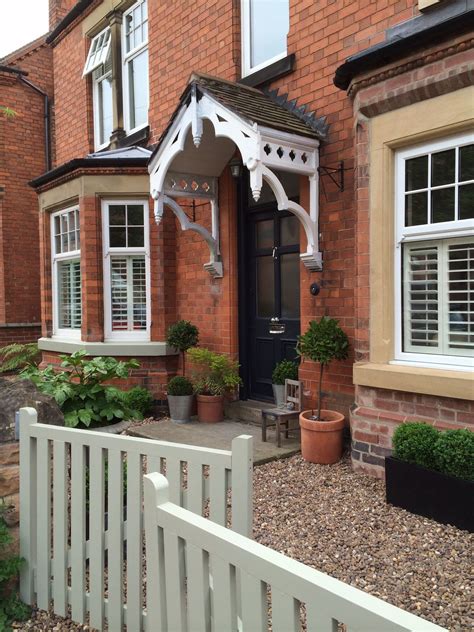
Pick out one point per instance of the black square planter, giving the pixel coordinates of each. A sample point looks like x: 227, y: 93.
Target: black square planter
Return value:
x: 431, y: 494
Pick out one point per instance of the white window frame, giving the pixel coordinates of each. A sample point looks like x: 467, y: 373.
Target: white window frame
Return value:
x: 57, y: 258
x: 96, y: 109
x: 127, y: 58
x: 428, y: 232
x: 245, y: 27
x: 100, y: 55
x: 109, y: 334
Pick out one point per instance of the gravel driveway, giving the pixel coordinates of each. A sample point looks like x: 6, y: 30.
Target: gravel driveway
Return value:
x: 337, y: 521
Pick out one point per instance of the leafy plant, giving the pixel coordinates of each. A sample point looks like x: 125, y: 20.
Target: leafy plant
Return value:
x: 215, y: 374
x: 454, y: 453
x: 138, y: 398
x: 11, y: 608
x: 323, y: 342
x: 179, y: 386
x: 79, y: 388
x: 182, y: 335
x: 415, y: 442
x: 7, y: 112
x: 285, y: 370
x: 18, y: 356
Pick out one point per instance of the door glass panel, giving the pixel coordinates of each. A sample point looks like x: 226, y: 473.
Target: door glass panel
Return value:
x: 265, y: 287
x: 289, y: 231
x: 290, y: 285
x: 264, y: 232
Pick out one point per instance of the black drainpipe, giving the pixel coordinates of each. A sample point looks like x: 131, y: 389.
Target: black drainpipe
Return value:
x: 47, y: 120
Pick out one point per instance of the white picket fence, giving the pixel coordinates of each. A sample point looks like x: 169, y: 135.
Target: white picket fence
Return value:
x: 80, y: 547
x: 207, y: 578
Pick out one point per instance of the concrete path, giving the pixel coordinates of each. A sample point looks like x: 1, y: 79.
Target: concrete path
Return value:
x: 218, y: 436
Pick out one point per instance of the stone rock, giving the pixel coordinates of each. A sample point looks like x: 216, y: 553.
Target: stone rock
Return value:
x: 10, y: 453
x: 9, y: 480
x: 17, y: 393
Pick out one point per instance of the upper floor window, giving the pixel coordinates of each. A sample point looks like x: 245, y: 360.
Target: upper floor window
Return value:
x: 265, y: 25
x: 435, y: 252
x: 135, y: 60
x: 126, y: 270
x: 67, y: 304
x: 102, y: 104
x: 98, y: 51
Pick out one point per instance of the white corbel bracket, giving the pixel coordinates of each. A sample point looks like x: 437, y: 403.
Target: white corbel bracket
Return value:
x: 214, y: 266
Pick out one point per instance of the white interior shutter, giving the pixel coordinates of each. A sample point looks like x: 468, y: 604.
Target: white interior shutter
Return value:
x: 70, y: 303
x: 460, y: 297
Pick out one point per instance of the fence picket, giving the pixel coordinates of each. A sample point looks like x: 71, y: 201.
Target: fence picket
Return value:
x: 174, y: 476
x: 115, y: 539
x: 43, y: 534
x: 134, y: 541
x: 253, y: 594
x: 224, y: 618
x: 242, y: 485
x: 218, y: 494
x: 285, y: 612
x: 28, y: 505
x: 175, y: 584
x: 78, y: 501
x: 155, y: 582
x: 60, y: 535
x: 318, y: 619
x: 96, y: 536
x: 195, y: 495
x: 198, y: 591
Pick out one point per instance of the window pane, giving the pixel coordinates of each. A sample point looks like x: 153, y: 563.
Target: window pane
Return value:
x: 135, y: 215
x: 139, y: 293
x: 466, y: 163
x: 264, y: 232
x: 416, y: 209
x: 265, y: 287
x: 269, y: 25
x: 442, y: 205
x: 442, y: 167
x: 138, y: 86
x: 416, y: 173
x: 117, y: 215
x: 118, y: 238
x: 128, y: 293
x: 119, y: 294
x: 290, y: 285
x: 69, y: 295
x: 105, y: 110
x: 289, y: 231
x: 461, y: 296
x: 136, y: 238
x: 466, y: 201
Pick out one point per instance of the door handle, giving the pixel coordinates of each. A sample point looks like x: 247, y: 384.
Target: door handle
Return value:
x: 275, y: 252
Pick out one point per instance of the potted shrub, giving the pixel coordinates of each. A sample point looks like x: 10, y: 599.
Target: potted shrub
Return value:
x: 182, y: 335
x: 321, y: 429
x: 284, y: 370
x: 431, y: 473
x: 180, y: 399
x: 215, y: 375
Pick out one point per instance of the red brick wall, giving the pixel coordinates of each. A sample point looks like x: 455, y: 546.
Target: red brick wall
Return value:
x: 22, y: 157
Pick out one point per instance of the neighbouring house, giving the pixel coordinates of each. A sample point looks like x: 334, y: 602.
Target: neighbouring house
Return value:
x: 214, y: 163
x: 26, y: 86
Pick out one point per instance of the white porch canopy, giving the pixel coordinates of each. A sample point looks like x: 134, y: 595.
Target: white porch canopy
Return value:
x: 214, y: 118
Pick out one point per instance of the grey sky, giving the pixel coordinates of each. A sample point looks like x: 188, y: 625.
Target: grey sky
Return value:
x: 21, y: 21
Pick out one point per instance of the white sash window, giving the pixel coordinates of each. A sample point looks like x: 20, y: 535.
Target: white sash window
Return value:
x: 135, y: 61
x: 126, y: 269
x: 98, y: 51
x: 65, y: 248
x: 265, y: 25
x: 435, y: 253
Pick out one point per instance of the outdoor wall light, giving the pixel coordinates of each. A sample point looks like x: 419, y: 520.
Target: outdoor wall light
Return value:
x: 236, y: 167
x: 314, y: 289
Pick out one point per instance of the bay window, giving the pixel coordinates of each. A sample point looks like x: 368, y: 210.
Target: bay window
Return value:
x: 135, y: 61
x: 265, y: 25
x: 435, y: 252
x: 65, y: 248
x: 126, y: 270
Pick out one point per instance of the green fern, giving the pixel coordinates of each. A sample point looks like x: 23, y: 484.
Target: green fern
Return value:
x: 16, y: 356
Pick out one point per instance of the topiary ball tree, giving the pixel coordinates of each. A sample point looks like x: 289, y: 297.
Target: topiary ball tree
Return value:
x: 182, y: 335
x: 323, y: 342
x: 454, y: 453
x: 415, y: 442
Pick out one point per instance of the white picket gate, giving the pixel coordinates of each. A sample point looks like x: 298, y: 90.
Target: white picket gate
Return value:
x: 80, y: 548
x: 202, y: 577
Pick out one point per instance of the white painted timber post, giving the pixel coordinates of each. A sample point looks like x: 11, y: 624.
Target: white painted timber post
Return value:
x: 242, y: 485
x: 155, y: 493
x: 28, y: 417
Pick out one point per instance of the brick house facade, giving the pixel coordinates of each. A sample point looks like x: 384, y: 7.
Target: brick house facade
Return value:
x: 22, y: 156
x: 380, y: 78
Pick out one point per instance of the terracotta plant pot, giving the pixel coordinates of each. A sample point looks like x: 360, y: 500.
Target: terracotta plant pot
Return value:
x: 321, y: 441
x: 210, y: 408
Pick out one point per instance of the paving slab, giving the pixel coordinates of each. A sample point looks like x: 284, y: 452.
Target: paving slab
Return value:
x: 218, y: 436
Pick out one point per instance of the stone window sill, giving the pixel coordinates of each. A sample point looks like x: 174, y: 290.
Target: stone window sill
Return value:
x: 271, y: 72
x: 440, y: 382
x: 127, y: 349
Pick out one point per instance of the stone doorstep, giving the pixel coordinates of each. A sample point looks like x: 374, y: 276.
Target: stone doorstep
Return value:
x: 248, y: 411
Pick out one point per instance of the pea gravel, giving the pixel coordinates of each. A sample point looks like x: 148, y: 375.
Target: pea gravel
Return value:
x: 337, y: 521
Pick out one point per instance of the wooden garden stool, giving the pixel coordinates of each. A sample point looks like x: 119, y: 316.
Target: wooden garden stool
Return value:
x: 282, y: 418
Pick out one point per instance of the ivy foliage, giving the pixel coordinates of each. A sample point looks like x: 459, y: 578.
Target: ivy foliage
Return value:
x: 81, y: 393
